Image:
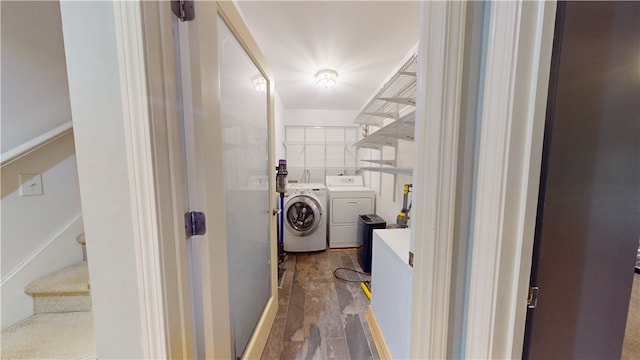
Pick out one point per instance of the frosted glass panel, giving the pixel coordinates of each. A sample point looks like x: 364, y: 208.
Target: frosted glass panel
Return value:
x: 245, y: 140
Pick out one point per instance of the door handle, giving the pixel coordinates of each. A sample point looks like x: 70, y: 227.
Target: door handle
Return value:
x: 276, y: 212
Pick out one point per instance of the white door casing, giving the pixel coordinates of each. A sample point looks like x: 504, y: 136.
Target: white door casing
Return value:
x: 162, y: 84
x: 435, y: 173
x: 518, y: 53
x: 513, y: 113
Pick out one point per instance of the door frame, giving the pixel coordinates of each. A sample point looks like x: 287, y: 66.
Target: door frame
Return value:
x: 145, y: 48
x: 518, y: 62
x: 146, y: 58
x: 439, y: 101
x: 129, y: 179
x: 206, y: 192
x: 535, y: 257
x: 234, y: 21
x: 518, y: 51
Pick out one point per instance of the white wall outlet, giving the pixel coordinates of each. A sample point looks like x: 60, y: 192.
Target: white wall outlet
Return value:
x: 30, y: 184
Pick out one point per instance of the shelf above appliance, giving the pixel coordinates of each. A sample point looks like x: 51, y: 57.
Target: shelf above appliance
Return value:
x: 394, y: 105
x: 395, y: 95
x: 397, y: 171
x: 402, y: 129
x: 390, y: 162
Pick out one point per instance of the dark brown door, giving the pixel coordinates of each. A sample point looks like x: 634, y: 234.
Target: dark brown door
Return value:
x: 589, y: 205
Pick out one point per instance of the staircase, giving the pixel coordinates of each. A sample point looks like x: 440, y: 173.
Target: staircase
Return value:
x: 66, y: 290
x: 62, y: 324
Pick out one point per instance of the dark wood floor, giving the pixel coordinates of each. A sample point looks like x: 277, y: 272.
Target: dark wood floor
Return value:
x: 320, y: 317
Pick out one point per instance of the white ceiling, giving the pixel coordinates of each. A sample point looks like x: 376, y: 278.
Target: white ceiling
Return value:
x: 364, y: 41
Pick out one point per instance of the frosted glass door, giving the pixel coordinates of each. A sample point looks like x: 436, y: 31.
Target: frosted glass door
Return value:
x: 246, y: 148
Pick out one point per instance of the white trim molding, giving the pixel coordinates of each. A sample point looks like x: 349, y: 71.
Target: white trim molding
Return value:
x: 162, y: 77
x: 77, y: 219
x: 440, y: 72
x: 135, y: 100
x: 36, y: 143
x: 513, y: 113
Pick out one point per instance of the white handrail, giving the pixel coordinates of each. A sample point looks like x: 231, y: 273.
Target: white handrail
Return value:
x: 35, y: 143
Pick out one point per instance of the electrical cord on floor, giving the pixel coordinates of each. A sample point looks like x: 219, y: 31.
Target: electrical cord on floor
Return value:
x: 364, y: 284
x: 335, y: 274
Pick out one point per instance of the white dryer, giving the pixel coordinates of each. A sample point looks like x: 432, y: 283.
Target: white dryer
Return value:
x: 305, y: 218
x: 348, y: 198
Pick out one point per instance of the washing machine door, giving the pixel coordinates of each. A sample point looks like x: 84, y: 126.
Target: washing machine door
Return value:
x: 303, y: 215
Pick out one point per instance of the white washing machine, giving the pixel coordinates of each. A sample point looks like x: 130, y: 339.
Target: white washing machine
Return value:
x: 348, y: 198
x: 305, y: 219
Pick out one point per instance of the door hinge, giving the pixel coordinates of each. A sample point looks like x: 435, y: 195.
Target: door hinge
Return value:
x: 532, y: 299
x: 183, y: 9
x: 195, y: 223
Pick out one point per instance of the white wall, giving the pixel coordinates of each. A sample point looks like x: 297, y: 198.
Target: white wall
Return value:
x: 97, y: 109
x: 314, y: 117
x: 279, y: 124
x: 38, y: 233
x: 35, y: 95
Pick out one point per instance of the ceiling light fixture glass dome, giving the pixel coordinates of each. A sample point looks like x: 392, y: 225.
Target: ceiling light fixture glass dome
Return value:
x: 326, y: 77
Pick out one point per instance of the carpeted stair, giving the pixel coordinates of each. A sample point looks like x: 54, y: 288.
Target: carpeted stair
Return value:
x: 62, y: 324
x: 65, y: 290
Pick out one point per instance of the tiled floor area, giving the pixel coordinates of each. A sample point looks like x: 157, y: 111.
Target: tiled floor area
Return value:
x: 319, y: 316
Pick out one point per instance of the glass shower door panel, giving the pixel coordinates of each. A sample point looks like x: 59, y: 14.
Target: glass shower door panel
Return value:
x: 246, y: 149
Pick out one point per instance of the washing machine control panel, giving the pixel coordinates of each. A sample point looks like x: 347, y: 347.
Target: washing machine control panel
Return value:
x: 316, y: 192
x: 306, y: 189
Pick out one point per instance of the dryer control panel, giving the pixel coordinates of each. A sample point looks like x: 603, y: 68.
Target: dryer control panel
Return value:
x: 344, y: 181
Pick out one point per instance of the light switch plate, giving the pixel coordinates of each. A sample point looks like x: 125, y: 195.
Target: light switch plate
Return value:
x: 30, y: 184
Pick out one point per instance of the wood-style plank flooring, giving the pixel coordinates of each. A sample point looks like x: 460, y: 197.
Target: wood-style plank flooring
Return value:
x: 320, y: 317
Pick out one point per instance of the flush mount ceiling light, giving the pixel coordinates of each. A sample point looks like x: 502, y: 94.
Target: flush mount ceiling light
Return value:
x: 326, y: 77
x: 259, y: 83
